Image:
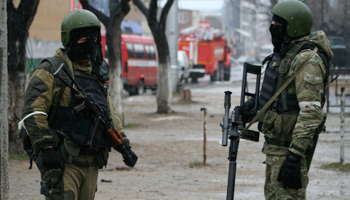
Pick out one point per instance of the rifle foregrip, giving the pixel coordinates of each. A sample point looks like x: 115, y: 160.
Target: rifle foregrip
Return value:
x: 130, y: 158
x: 115, y: 135
x: 225, y: 124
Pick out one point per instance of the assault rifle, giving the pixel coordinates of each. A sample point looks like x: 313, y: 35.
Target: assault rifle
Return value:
x: 232, y: 127
x: 129, y: 156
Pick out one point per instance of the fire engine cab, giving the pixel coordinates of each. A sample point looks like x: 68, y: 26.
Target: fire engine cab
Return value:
x: 207, y: 51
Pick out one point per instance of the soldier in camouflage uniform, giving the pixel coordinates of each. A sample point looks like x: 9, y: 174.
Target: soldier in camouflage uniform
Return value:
x: 59, y: 136
x: 293, y: 121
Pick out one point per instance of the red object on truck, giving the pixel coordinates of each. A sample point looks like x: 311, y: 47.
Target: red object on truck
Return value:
x: 207, y: 51
x: 139, y: 62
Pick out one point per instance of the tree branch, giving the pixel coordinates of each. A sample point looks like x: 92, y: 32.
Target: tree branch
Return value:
x: 141, y: 7
x: 152, y: 15
x: 10, y: 6
x: 102, y: 17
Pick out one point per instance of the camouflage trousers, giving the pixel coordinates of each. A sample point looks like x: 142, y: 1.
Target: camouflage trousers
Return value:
x: 79, y: 181
x: 273, y: 189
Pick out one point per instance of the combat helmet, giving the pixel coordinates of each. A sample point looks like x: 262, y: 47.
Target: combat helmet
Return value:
x: 298, y: 16
x: 79, y: 18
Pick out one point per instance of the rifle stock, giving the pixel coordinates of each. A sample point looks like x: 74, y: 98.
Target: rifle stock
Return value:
x: 129, y: 156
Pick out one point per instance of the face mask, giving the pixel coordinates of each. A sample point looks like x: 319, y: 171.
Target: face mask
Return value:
x: 277, y: 35
x: 86, y: 50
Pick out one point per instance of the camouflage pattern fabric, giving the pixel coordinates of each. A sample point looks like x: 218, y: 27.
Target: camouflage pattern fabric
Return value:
x: 42, y: 92
x: 297, y: 128
x: 309, y: 89
x: 273, y: 189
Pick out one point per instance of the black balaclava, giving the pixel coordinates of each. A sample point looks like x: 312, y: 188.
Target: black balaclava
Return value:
x: 278, y: 32
x: 86, y: 50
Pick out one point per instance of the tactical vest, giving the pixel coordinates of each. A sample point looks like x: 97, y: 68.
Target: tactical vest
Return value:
x: 274, y: 78
x: 82, y: 126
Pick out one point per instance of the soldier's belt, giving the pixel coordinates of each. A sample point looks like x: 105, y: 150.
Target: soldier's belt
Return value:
x: 85, y: 164
x: 276, y: 142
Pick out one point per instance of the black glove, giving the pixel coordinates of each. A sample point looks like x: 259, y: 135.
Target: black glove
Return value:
x: 130, y: 158
x: 248, y: 110
x: 50, y: 158
x: 290, y: 173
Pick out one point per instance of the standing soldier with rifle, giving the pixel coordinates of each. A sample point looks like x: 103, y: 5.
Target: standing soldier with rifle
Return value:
x: 69, y: 120
x: 291, y: 99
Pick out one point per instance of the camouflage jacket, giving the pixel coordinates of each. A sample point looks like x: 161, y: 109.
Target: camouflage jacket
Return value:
x: 42, y: 92
x: 309, y: 89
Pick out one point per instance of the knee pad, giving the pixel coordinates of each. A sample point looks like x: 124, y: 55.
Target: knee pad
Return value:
x: 66, y: 195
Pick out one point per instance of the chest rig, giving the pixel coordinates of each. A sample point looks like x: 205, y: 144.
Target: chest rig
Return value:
x: 276, y: 75
x: 83, y: 126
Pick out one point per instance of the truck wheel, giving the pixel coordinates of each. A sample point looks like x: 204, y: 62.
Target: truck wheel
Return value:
x: 132, y: 91
x: 140, y: 87
x: 194, y: 79
x: 227, y: 73
x: 221, y: 71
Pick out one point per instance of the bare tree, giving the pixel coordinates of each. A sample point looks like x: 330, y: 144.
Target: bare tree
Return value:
x: 117, y: 11
x: 158, y: 31
x: 18, y: 22
x: 4, y: 178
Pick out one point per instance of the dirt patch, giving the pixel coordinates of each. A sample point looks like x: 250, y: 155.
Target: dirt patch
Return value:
x: 170, y: 150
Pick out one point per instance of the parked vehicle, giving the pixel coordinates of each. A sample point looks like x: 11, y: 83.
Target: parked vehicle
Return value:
x: 183, y: 65
x: 207, y: 51
x: 139, y: 63
x: 239, y: 62
x: 339, y: 50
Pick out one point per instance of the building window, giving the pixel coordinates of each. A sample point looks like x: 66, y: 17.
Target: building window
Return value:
x: 183, y: 17
x: 130, y: 49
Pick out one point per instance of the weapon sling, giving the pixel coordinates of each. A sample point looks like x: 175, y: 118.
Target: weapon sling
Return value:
x: 259, y: 114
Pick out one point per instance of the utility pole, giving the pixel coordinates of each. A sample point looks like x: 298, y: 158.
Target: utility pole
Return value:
x: 342, y: 125
x: 4, y: 181
x: 172, y: 34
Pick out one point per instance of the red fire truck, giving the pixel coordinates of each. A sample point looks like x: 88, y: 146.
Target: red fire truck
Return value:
x: 139, y: 62
x: 207, y: 51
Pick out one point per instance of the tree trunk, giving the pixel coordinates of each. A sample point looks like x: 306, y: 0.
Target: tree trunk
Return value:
x: 16, y: 90
x: 4, y: 179
x: 164, y: 89
x: 164, y: 93
x: 19, y: 21
x: 116, y: 79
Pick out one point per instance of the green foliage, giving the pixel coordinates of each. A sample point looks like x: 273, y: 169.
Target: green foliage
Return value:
x: 337, y: 167
x: 18, y: 157
x: 132, y: 125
